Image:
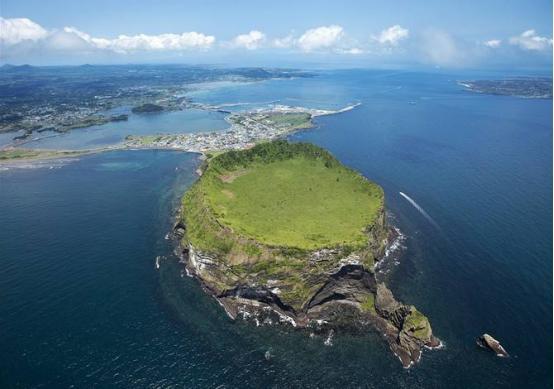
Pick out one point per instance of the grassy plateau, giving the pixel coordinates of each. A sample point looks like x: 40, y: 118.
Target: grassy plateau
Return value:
x: 282, y: 195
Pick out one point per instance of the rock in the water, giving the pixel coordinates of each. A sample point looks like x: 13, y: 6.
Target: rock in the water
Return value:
x: 488, y: 342
x: 412, y: 329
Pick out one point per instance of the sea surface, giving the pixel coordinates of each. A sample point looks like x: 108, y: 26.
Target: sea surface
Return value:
x: 82, y: 302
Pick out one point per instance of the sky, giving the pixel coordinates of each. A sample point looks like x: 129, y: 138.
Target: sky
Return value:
x: 376, y: 34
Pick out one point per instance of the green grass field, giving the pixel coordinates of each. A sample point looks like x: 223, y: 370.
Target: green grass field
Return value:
x: 299, y: 202
x: 20, y: 153
x: 292, y: 120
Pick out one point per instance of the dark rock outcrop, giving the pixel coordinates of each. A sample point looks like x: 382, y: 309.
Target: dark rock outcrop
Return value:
x: 349, y: 299
x: 488, y: 342
x: 412, y: 330
x: 179, y: 229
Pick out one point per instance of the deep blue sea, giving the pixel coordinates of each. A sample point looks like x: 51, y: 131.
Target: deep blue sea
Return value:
x: 82, y: 303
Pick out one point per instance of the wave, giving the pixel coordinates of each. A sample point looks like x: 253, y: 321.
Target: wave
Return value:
x: 56, y: 163
x: 348, y: 108
x: 420, y: 209
x: 392, y: 254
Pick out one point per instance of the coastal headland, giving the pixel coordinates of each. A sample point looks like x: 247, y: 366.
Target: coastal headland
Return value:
x: 284, y: 233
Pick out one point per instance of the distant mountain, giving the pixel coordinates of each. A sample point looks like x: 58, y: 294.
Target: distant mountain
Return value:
x: 10, y: 67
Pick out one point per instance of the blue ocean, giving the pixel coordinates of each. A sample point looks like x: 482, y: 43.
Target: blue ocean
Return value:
x: 83, y: 304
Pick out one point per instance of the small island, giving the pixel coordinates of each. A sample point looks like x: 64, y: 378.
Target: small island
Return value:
x: 147, y: 108
x: 284, y: 233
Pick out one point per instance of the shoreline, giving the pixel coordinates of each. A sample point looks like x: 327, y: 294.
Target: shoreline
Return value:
x: 254, y: 312
x: 249, y: 133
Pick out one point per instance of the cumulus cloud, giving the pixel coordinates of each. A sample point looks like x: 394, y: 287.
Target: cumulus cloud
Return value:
x: 100, y: 43
x: 493, y: 43
x: 529, y: 40
x: 176, y: 42
x: 329, y: 39
x: 23, y: 36
x: 13, y: 31
x: 17, y: 33
x: 320, y: 38
x: 251, y: 41
x: 392, y: 36
x: 65, y: 40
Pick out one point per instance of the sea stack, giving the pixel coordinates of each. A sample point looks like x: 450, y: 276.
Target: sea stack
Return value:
x: 488, y: 342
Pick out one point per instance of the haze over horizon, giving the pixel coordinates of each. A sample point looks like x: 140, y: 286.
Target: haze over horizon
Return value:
x: 474, y: 35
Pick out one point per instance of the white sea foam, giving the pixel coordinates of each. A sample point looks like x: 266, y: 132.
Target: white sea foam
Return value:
x: 396, y: 244
x: 38, y: 164
x: 392, y: 254
x: 440, y: 346
x: 420, y: 209
x: 329, y: 340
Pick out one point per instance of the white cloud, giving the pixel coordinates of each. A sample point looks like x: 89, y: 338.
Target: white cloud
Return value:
x: 13, y: 31
x: 321, y: 39
x: 161, y: 42
x: 20, y: 36
x: 65, y: 40
x: 19, y: 31
x: 176, y: 42
x: 251, y: 41
x: 392, y: 35
x: 529, y: 40
x: 100, y: 43
x: 493, y: 43
x: 324, y: 37
x: 285, y: 42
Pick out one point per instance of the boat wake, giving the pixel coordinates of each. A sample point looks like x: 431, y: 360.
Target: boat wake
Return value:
x: 420, y: 209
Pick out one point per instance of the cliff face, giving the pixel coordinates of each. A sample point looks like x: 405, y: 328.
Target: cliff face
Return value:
x: 324, y: 290
x: 343, y: 294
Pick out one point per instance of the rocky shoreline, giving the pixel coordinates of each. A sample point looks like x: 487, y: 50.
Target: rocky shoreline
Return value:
x: 340, y: 305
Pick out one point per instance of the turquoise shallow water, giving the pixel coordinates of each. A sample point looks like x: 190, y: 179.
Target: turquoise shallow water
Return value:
x: 83, y: 304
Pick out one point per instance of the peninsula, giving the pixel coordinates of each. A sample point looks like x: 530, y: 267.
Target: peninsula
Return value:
x: 525, y: 87
x: 246, y: 129
x: 284, y: 233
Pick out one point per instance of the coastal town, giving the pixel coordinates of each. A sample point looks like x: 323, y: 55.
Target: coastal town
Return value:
x: 246, y: 129
x: 41, y: 99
